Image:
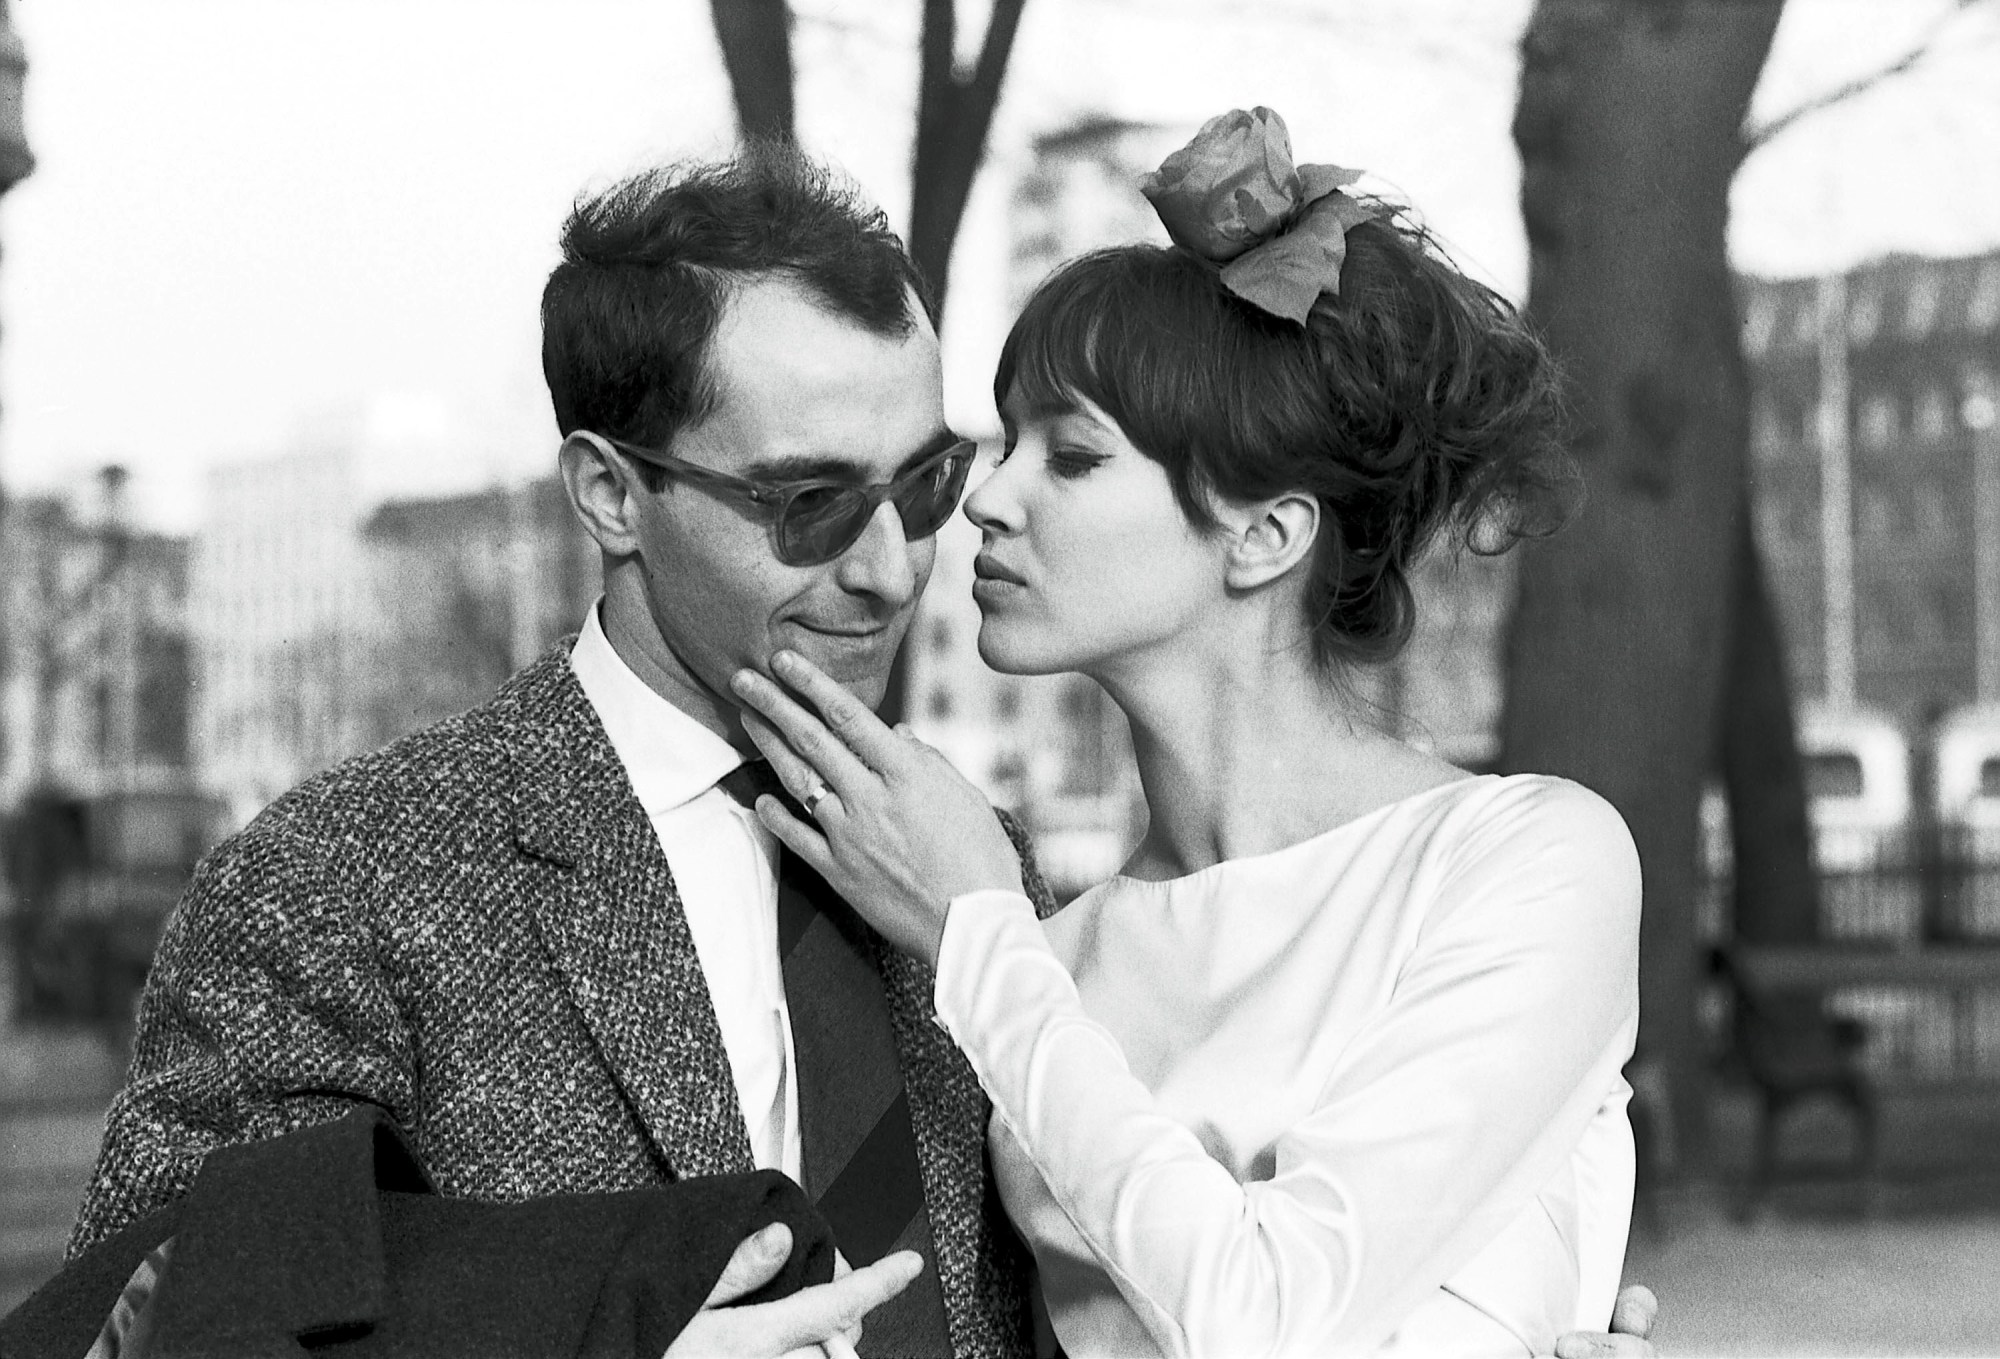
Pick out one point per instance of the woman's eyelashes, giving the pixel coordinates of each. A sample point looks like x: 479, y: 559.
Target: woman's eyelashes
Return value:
x: 1071, y: 463
x: 1061, y: 460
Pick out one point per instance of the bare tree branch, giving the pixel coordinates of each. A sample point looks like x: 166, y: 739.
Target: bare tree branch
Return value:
x: 954, y: 115
x: 756, y: 39
x: 1755, y: 137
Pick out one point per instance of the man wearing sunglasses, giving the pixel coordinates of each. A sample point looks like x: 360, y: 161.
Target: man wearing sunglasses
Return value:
x: 549, y: 936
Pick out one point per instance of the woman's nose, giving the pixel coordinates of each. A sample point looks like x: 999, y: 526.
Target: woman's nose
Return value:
x: 993, y: 504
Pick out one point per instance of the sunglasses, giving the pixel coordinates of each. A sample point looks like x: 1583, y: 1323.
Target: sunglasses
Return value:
x: 815, y: 520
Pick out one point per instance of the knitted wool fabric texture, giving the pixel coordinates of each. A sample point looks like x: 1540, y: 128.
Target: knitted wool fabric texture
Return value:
x: 475, y: 929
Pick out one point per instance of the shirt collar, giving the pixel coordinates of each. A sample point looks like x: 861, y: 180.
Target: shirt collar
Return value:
x: 670, y: 758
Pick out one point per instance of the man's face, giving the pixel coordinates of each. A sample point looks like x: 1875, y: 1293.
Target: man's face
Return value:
x: 801, y: 393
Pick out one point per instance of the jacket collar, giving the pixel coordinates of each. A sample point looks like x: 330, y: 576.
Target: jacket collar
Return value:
x: 610, y: 915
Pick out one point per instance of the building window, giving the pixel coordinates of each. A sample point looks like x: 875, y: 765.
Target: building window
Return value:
x: 1767, y: 428
x: 1878, y: 421
x: 1933, y: 415
x: 1877, y: 515
x: 1984, y: 312
x: 1760, y: 319
x: 1805, y: 320
x: 1921, y: 311
x: 1864, y: 312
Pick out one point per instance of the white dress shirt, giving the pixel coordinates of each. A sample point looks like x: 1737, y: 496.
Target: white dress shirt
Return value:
x: 1357, y: 1096
x: 725, y: 864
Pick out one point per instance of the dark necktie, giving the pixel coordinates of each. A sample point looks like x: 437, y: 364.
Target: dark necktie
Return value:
x: 858, y: 1148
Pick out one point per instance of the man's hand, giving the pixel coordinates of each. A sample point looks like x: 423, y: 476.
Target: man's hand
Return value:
x: 800, y: 1326
x: 1629, y: 1337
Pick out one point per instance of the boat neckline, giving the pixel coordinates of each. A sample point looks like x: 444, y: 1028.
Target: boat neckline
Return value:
x: 1375, y: 814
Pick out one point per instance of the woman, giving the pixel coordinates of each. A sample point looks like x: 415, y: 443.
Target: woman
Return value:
x: 1333, y: 1065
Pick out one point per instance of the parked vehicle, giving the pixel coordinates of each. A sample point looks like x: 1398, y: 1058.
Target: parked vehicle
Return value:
x: 1968, y: 813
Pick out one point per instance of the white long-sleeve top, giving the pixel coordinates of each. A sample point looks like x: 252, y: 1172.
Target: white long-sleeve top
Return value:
x: 1359, y: 1095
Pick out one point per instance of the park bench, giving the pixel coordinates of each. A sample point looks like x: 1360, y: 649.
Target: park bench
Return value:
x: 1790, y: 1050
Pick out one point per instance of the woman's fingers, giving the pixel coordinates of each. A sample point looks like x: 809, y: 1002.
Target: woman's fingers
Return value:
x: 810, y: 740
x: 797, y: 775
x: 846, y: 716
x: 806, y: 841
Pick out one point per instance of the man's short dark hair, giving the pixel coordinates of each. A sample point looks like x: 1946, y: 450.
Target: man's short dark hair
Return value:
x: 628, y: 316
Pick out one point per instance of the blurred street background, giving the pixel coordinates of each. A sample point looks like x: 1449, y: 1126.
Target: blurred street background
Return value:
x: 276, y: 486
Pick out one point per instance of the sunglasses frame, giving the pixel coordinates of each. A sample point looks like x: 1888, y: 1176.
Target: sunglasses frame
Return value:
x: 779, y: 498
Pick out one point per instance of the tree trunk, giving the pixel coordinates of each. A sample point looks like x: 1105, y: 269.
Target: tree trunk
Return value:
x: 1776, y: 893
x: 1629, y: 128
x: 954, y: 114
x: 756, y: 38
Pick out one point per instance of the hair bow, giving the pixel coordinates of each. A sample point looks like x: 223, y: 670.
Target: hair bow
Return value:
x: 1233, y: 197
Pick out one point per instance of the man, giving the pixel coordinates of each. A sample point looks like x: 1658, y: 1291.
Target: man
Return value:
x: 540, y: 934
x: 546, y: 935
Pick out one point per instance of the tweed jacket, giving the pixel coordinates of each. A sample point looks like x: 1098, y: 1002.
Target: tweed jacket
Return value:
x: 475, y: 929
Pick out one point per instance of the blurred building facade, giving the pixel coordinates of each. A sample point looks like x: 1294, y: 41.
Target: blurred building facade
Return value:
x: 1876, y: 474
x: 325, y: 626
x: 461, y: 591
x: 277, y: 609
x: 98, y: 650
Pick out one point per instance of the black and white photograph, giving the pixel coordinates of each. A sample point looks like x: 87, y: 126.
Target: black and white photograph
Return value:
x: 999, y: 679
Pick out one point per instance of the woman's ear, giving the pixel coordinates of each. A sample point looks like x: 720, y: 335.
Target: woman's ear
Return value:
x: 1270, y: 537
x: 600, y: 492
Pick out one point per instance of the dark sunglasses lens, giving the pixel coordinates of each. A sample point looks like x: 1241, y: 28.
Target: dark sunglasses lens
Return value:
x: 821, y: 523
x: 926, y: 505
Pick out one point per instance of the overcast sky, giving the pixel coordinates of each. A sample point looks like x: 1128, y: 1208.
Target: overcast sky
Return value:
x: 256, y: 224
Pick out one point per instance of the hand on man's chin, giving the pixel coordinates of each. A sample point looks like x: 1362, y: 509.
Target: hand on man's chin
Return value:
x: 860, y: 665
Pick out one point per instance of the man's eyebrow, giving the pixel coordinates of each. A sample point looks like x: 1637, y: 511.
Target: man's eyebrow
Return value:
x: 816, y: 467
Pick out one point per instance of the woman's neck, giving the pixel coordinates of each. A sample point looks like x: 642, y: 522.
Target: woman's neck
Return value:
x: 1243, y: 751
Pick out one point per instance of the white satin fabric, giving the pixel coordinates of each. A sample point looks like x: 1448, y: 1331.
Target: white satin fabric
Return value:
x: 1361, y: 1095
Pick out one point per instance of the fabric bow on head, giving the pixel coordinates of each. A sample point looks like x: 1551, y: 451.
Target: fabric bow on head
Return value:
x: 1233, y: 197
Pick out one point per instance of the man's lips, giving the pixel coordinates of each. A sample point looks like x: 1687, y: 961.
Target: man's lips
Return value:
x: 848, y: 632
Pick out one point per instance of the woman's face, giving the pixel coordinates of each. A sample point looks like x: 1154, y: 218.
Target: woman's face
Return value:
x: 1088, y: 558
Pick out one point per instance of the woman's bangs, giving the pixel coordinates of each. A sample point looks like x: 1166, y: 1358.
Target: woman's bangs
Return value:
x: 1050, y: 357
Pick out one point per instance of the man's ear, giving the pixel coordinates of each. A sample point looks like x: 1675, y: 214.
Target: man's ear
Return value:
x: 601, y: 494
x: 1267, y: 538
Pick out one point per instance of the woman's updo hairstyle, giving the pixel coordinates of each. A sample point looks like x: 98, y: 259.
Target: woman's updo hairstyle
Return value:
x: 1414, y: 402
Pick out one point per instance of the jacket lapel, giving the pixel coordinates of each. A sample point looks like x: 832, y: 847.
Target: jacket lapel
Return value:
x: 608, y: 911
x: 948, y: 1114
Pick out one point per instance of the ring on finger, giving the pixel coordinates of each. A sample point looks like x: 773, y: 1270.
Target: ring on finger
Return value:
x: 813, y: 796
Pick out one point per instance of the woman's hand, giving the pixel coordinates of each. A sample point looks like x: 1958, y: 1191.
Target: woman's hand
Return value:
x: 901, y: 832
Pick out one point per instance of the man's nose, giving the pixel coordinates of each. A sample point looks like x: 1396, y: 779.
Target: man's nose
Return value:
x: 880, y: 562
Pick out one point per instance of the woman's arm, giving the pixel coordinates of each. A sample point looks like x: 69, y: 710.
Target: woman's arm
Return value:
x: 1443, y: 1118
x: 1506, y: 1032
